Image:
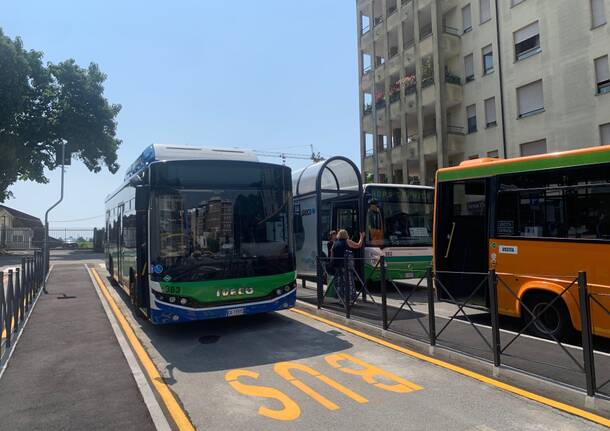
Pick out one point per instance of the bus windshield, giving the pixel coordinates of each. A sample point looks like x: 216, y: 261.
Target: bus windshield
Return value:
x: 215, y: 233
x: 398, y: 216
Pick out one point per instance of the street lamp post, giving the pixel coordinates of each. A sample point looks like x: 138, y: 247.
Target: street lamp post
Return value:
x: 46, y: 218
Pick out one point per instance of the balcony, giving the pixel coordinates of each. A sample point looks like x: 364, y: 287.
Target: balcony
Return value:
x: 366, y: 79
x: 451, y: 42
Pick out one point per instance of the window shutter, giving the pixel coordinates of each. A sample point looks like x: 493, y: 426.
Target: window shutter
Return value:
x: 533, y: 148
x: 527, y: 32
x: 604, y: 131
x: 490, y: 110
x: 466, y: 18
x: 468, y: 65
x: 598, y: 13
x: 484, y: 10
x: 530, y: 97
x: 601, y: 69
x: 471, y: 111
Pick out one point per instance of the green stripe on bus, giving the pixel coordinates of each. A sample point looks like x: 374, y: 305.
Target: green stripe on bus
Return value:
x: 398, y: 270
x: 203, y: 291
x: 551, y: 162
x: 408, y: 258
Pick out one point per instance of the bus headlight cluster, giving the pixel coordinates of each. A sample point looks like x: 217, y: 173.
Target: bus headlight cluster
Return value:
x: 173, y: 299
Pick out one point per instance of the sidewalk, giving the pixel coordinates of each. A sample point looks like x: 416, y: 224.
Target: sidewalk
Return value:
x: 68, y: 371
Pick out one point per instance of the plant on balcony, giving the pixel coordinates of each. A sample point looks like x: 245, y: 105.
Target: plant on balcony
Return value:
x: 427, y: 68
x: 452, y: 78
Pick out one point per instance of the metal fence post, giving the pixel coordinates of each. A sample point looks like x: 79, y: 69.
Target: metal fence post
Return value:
x: 587, y: 338
x: 492, y: 283
x: 431, y: 312
x: 18, y: 297
x: 2, y: 309
x: 384, y: 293
x: 9, y: 309
x: 347, y: 287
x: 319, y: 284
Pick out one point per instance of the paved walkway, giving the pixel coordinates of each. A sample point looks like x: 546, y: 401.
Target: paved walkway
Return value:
x: 68, y: 371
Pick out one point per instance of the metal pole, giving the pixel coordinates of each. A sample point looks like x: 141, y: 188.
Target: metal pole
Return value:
x: 319, y: 284
x: 495, y: 317
x: 384, y: 293
x: 46, y: 220
x: 587, y: 338
x: 431, y: 313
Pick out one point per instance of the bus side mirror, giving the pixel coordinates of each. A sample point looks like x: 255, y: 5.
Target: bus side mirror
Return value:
x: 142, y: 197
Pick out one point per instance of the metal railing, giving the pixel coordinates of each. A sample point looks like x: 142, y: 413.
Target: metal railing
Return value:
x: 18, y: 290
x: 410, y: 309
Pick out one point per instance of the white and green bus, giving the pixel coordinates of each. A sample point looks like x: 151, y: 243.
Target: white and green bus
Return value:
x: 197, y: 233
x: 397, y: 220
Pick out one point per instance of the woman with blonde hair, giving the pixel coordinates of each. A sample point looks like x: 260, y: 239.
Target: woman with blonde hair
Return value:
x: 340, y: 255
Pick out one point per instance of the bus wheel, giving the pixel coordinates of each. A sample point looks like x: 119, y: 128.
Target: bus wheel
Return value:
x: 554, y: 322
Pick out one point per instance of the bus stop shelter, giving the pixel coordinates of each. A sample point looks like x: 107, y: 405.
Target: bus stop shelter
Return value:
x: 316, y: 189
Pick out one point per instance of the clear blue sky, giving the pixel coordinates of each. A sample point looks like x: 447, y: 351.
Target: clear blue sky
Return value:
x: 272, y: 75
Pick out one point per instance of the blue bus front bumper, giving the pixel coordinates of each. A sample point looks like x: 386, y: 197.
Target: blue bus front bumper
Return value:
x: 167, y: 313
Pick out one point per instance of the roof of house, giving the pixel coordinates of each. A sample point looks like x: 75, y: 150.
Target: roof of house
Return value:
x: 21, y: 219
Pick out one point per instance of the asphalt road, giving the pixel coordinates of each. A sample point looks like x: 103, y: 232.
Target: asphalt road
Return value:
x: 287, y: 371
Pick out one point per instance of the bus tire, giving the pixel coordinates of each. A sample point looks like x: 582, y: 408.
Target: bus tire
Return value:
x: 554, y: 322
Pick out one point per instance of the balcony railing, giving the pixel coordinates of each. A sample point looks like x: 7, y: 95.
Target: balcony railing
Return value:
x: 455, y: 130
x: 380, y: 104
x: 395, y: 96
x: 365, y: 29
x: 392, y: 10
x: 452, y: 31
x: 404, y: 2
x: 378, y: 20
x: 366, y: 70
x: 427, y: 82
x: 450, y: 78
x: 429, y: 132
x: 367, y: 109
x: 393, y: 52
x: 410, y: 89
x: 408, y: 43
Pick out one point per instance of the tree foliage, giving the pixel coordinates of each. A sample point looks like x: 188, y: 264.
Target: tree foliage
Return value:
x: 45, y: 105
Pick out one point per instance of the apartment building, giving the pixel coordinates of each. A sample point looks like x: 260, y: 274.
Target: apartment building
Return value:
x: 442, y: 81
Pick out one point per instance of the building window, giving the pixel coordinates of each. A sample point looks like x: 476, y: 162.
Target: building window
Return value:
x: 598, y: 13
x: 471, y: 118
x: 490, y: 112
x: 466, y: 19
x: 533, y: 148
x: 530, y: 99
x: 493, y: 154
x: 527, y: 41
x: 488, y: 60
x: 604, y: 134
x: 469, y: 68
x: 602, y: 75
x: 484, y: 11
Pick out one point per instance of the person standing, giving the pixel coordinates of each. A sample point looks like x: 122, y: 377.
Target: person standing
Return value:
x: 341, y: 259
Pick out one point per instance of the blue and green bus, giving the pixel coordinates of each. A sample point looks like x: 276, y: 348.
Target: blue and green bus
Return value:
x: 197, y: 233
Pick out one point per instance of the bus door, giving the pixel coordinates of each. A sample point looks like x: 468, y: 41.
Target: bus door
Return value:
x: 120, y: 251
x: 461, y: 238
x: 141, y: 277
x: 346, y: 215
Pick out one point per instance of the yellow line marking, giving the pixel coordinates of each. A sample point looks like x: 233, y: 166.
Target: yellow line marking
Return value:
x: 490, y: 381
x: 178, y: 414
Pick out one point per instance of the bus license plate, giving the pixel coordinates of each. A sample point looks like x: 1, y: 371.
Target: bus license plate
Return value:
x: 408, y: 275
x: 235, y: 312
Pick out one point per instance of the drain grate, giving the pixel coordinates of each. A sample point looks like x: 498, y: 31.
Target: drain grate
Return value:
x: 209, y: 339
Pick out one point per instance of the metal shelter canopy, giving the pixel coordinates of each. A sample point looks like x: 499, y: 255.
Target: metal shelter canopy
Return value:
x: 335, y: 175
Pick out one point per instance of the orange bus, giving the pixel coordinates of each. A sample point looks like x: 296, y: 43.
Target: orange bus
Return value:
x: 537, y: 221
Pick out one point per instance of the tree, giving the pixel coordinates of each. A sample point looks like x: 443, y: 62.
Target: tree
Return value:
x: 43, y: 106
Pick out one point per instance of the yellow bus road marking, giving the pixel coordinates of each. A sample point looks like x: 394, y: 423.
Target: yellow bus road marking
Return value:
x: 488, y: 380
x: 291, y: 409
x: 178, y: 414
